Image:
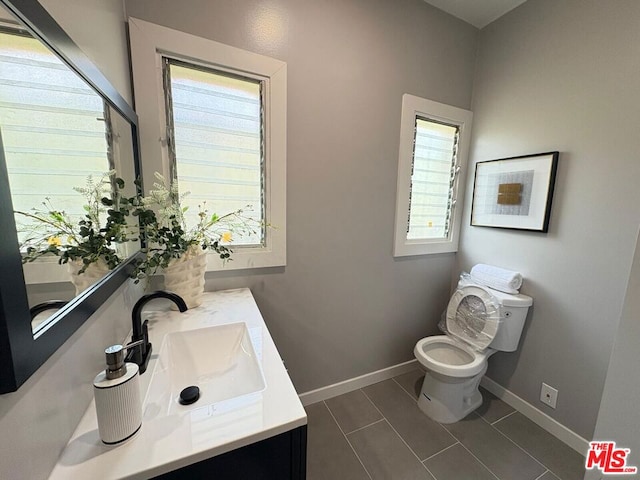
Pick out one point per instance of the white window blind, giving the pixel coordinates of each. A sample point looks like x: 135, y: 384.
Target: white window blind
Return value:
x: 432, y: 179
x: 217, y: 143
x: 52, y: 124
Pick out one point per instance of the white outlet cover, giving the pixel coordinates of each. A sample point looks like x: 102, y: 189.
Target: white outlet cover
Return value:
x: 548, y: 395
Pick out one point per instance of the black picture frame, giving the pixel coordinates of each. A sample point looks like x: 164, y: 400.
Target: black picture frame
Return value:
x: 22, y: 353
x: 515, y: 193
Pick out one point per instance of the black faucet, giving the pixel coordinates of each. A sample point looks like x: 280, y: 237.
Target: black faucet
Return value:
x: 140, y: 354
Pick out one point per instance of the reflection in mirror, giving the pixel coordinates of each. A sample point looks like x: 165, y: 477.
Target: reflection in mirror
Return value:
x: 57, y: 132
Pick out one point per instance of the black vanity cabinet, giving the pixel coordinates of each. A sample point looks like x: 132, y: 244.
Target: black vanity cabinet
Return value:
x: 282, y: 457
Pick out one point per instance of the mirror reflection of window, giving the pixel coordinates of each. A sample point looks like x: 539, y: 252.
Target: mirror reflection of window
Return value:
x: 54, y: 127
x: 56, y: 132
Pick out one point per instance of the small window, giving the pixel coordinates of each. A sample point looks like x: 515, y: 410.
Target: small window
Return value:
x: 433, y: 173
x: 216, y: 145
x: 213, y: 117
x: 432, y: 160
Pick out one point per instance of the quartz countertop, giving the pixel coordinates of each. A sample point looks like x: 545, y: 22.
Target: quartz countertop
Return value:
x: 167, y: 443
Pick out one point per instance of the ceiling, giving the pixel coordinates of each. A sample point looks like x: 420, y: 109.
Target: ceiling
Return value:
x: 478, y: 13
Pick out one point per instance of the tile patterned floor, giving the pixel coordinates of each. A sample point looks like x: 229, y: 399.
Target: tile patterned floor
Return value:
x: 379, y: 432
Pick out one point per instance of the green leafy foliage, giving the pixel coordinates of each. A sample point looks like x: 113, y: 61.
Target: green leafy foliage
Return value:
x: 162, y: 223
x: 50, y: 231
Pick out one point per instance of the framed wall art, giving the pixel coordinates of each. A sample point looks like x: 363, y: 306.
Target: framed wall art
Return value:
x: 515, y: 192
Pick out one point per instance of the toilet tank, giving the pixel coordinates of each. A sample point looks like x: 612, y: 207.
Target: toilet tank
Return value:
x: 513, y: 313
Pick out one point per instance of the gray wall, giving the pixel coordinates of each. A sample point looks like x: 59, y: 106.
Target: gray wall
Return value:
x: 342, y: 306
x: 618, y: 417
x: 563, y: 75
x: 98, y: 27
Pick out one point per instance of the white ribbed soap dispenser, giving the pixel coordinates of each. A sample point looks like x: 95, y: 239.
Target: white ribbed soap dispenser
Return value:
x: 117, y: 394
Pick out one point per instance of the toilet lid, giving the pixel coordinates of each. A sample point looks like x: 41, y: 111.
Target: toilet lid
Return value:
x: 473, y: 316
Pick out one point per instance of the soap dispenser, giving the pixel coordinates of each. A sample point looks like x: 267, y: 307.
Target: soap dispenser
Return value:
x: 117, y: 394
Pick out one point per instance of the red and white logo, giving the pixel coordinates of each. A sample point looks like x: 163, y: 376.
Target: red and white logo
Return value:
x: 609, y: 459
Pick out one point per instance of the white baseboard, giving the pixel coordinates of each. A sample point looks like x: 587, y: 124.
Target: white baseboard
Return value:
x: 538, y: 417
x: 352, y: 384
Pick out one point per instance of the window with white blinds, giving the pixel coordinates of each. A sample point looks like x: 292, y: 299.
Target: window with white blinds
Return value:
x: 432, y: 179
x: 214, y: 118
x: 53, y: 127
x: 434, y: 142
x: 216, y: 142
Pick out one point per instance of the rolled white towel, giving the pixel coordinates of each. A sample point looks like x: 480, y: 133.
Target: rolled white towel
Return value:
x: 497, y: 278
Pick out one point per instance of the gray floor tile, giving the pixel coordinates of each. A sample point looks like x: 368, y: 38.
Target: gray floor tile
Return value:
x: 562, y: 460
x: 548, y: 476
x: 492, y: 407
x: 353, y: 410
x: 423, y: 435
x: 457, y: 463
x: 329, y: 455
x: 385, y: 455
x: 411, y: 382
x: 499, y: 454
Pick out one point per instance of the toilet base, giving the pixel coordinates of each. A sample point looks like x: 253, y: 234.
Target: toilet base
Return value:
x: 449, y: 399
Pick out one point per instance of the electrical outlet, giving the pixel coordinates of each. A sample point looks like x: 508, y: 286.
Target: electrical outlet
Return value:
x: 548, y: 395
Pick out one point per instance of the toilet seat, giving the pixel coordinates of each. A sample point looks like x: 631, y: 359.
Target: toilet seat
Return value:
x: 448, y: 356
x: 476, y: 328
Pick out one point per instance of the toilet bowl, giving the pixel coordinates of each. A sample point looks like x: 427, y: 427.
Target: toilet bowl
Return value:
x: 445, y: 355
x: 479, y: 321
x: 452, y: 375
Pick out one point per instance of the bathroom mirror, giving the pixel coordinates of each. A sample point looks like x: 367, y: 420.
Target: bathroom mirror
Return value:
x: 61, y: 121
x: 58, y: 134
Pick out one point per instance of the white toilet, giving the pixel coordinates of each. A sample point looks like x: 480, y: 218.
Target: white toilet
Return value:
x: 479, y: 322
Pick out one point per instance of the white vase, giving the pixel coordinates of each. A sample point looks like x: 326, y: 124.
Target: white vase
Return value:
x: 185, y: 277
x: 94, y: 272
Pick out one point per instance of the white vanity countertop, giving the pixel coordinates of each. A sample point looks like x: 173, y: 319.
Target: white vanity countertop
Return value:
x: 166, y: 443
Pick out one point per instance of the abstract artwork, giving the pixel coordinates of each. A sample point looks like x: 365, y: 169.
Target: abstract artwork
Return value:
x: 515, y: 192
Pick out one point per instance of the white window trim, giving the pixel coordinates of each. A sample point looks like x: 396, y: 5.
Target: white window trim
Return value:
x: 412, y: 107
x: 149, y: 42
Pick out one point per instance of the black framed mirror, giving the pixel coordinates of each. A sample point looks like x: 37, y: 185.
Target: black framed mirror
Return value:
x: 113, y: 127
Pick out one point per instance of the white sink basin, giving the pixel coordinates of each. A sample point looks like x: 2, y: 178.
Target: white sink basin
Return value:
x: 219, y: 360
